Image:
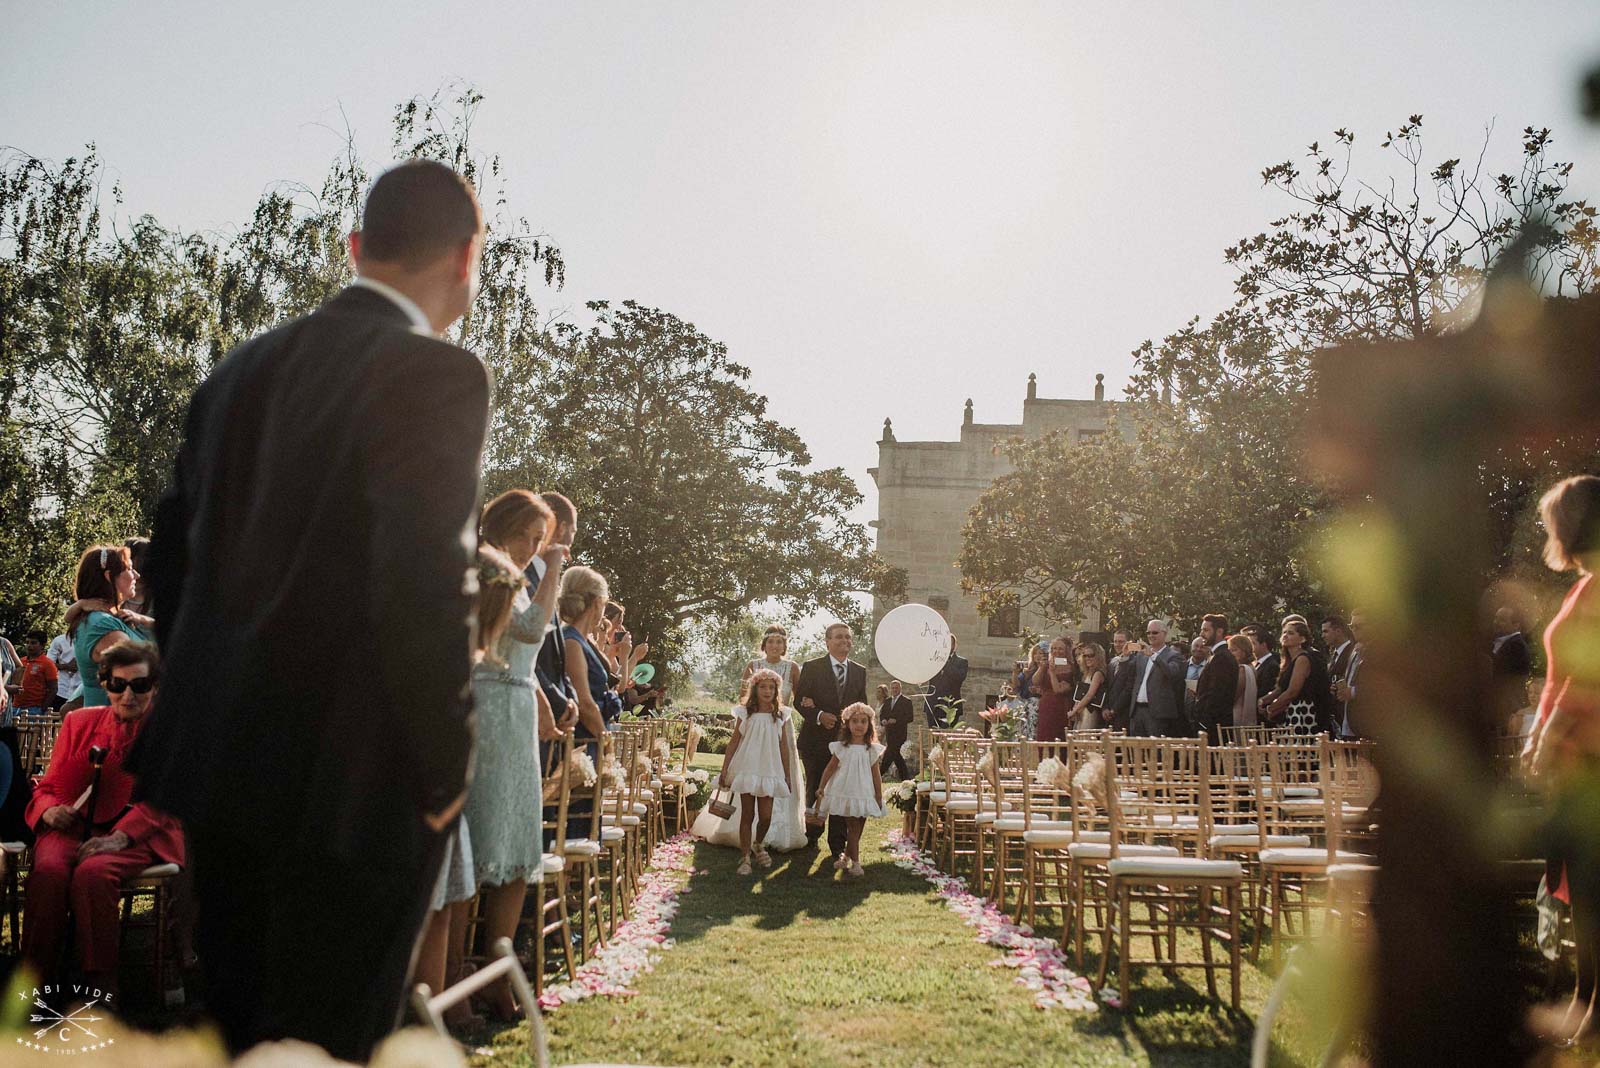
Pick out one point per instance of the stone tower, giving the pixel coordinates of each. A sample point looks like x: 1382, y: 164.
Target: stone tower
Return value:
x: 926, y: 488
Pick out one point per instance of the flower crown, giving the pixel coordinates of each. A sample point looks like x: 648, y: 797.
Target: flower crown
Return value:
x: 492, y: 574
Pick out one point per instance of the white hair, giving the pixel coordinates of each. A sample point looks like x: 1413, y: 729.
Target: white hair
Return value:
x: 1159, y: 623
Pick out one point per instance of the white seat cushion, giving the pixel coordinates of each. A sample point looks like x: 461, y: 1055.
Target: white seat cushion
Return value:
x: 624, y: 821
x: 672, y: 776
x: 959, y: 805
x: 1302, y: 806
x: 613, y: 834
x: 1102, y: 851
x: 1235, y: 828
x: 1055, y: 839
x: 12, y: 847
x: 155, y: 873
x: 1355, y: 874
x: 1250, y: 841
x: 1018, y: 823
x: 554, y: 865
x: 583, y: 846
x: 1167, y: 819
x: 647, y: 795
x: 1177, y: 867
x: 939, y: 797
x: 1307, y: 856
x: 924, y: 787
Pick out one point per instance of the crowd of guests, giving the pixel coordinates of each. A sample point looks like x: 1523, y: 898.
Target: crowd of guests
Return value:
x: 551, y: 655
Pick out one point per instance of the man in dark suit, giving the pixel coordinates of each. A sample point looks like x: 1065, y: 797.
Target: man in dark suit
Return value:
x: 1513, y: 664
x: 1262, y: 643
x: 550, y: 664
x: 944, y: 691
x: 1155, y: 698
x: 895, y: 714
x: 1341, y: 646
x: 312, y: 571
x: 828, y: 685
x: 1219, y: 683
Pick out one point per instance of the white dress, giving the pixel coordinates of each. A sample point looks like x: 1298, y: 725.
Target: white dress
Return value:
x: 788, y: 829
x: 785, y: 670
x: 756, y: 767
x: 850, y: 792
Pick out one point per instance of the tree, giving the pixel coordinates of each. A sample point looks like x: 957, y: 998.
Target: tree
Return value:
x: 691, y: 497
x: 1212, y: 507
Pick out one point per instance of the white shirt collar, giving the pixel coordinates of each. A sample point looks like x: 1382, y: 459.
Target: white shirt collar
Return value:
x: 419, y: 321
x: 839, y: 663
x: 1342, y: 647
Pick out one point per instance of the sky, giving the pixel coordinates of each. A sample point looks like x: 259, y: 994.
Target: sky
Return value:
x: 881, y: 208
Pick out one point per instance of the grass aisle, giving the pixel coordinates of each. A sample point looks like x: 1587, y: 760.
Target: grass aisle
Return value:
x: 802, y: 967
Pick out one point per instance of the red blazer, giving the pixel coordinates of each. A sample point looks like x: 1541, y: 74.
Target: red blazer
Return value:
x: 70, y: 773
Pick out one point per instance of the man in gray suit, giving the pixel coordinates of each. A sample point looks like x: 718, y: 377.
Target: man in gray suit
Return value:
x: 1155, y: 698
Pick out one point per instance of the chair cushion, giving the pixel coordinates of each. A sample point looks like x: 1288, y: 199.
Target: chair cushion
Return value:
x: 1360, y: 875
x: 1308, y: 857
x: 624, y: 821
x: 1250, y: 841
x: 1102, y: 851
x: 155, y: 873
x: 13, y: 847
x: 613, y: 834
x: 647, y: 795
x: 1167, y: 819
x: 1177, y: 867
x: 939, y: 797
x: 672, y: 776
x: 959, y: 804
x: 554, y: 865
x: 1018, y: 823
x: 1292, y: 791
x: 1235, y: 828
x: 583, y: 847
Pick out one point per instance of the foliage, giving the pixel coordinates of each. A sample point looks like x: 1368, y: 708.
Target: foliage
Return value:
x: 691, y: 497
x: 1205, y: 503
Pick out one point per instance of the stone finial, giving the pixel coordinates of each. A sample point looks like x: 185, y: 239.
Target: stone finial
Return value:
x: 1033, y: 387
x: 888, y: 431
x: 1099, y: 387
x: 966, y: 420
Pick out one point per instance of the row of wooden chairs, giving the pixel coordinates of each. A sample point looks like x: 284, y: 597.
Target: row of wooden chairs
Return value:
x: 1128, y: 838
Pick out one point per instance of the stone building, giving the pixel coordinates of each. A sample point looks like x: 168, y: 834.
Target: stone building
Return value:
x: 926, y: 488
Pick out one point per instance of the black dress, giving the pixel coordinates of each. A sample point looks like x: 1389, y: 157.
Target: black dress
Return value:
x: 1311, y: 712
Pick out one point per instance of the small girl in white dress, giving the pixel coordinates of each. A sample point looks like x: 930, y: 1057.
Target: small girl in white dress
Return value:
x: 852, y: 784
x: 756, y: 765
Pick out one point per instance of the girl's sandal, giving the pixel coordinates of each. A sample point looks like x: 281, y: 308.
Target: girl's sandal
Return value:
x: 744, y: 867
x: 763, y: 858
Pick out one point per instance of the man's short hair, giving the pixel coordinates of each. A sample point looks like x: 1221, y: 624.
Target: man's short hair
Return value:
x: 1217, y: 620
x: 1124, y: 631
x: 127, y: 654
x: 827, y: 635
x: 1262, y: 635
x: 416, y: 212
x: 1336, y: 622
x: 565, y: 511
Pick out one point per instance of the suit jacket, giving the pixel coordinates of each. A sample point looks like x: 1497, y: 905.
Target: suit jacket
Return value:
x: 1215, y: 692
x: 1267, y: 674
x: 1166, y: 689
x: 817, y: 681
x: 1339, y: 666
x: 946, y: 686
x: 312, y: 576
x: 1513, y: 659
x: 896, y: 715
x: 550, y: 663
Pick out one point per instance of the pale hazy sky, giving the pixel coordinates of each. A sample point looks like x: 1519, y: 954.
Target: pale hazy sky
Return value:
x: 881, y: 208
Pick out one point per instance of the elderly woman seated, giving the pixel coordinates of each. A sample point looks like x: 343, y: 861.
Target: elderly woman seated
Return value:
x: 82, y: 857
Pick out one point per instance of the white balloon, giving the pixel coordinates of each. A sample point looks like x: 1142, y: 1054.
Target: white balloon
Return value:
x: 912, y: 643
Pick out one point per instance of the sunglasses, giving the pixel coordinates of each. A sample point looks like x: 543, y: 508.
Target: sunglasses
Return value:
x: 116, y: 684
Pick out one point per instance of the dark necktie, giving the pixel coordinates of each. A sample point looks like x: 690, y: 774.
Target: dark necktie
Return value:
x: 838, y: 680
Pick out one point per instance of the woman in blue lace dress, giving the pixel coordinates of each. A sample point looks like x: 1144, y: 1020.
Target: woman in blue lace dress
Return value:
x: 503, y: 810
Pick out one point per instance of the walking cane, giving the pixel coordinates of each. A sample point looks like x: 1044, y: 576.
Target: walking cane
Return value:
x: 97, y: 760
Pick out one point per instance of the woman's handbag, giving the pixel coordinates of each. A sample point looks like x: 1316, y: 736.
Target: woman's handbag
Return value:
x: 720, y: 806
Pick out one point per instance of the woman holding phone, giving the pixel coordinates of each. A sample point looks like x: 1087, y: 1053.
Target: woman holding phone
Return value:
x: 1053, y: 683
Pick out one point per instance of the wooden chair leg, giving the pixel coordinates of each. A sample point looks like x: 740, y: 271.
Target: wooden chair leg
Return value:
x: 1205, y: 942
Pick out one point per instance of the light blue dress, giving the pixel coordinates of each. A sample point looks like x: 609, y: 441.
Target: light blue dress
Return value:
x: 503, y: 805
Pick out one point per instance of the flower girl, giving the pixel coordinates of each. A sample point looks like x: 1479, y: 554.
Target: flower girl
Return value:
x: 756, y: 765
x: 852, y: 784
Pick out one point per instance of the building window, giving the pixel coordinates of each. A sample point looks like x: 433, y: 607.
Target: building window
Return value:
x: 1090, y: 435
x: 1006, y: 623
x: 939, y: 604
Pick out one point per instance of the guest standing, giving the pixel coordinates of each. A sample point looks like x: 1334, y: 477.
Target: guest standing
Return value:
x: 895, y: 713
x: 65, y: 659
x: 106, y: 580
x: 1089, y: 690
x: 828, y: 684
x: 1564, y: 745
x: 312, y: 573
x: 1156, y: 697
x: 1303, y: 700
x: 1054, y: 684
x: 1218, y: 684
x: 584, y: 592
x: 1245, y: 712
x: 1263, y: 648
x: 1513, y: 665
x: 943, y: 705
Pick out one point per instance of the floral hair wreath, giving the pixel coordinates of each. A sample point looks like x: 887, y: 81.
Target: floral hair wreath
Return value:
x: 491, y: 573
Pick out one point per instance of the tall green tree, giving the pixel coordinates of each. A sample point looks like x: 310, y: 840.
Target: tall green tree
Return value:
x: 692, y: 497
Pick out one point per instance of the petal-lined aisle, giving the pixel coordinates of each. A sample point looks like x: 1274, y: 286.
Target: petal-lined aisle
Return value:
x: 800, y: 966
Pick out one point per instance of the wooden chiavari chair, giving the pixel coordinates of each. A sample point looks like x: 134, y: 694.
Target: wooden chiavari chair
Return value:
x: 621, y: 827
x: 1126, y: 761
x: 550, y: 912
x: 1001, y: 821
x: 1290, y: 874
x: 933, y: 793
x: 957, y: 805
x: 1178, y: 892
x: 583, y: 854
x: 1256, y: 734
x: 1048, y: 827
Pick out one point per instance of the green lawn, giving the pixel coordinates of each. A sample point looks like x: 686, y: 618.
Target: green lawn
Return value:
x: 799, y: 967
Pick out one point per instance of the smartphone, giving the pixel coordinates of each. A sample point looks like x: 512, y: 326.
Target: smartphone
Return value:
x: 1061, y: 661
